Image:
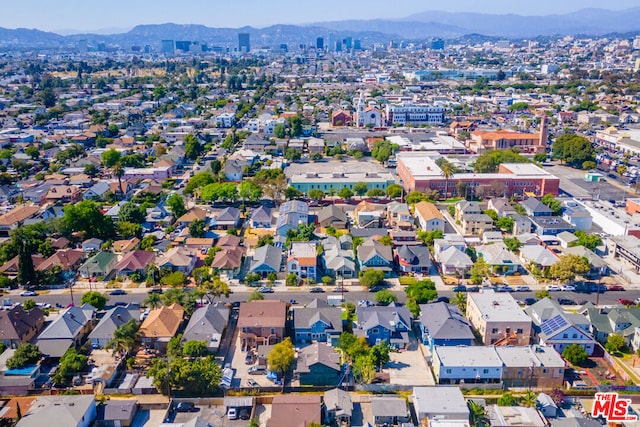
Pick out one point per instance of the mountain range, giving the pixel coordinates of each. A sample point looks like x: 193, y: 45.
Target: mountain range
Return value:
x: 421, y: 26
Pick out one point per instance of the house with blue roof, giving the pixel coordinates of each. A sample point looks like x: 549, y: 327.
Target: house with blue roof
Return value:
x: 317, y: 321
x: 291, y: 214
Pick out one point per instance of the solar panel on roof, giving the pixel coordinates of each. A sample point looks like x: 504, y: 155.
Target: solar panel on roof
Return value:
x: 554, y: 324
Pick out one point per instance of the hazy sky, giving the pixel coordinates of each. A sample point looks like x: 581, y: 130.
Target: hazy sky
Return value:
x: 91, y: 15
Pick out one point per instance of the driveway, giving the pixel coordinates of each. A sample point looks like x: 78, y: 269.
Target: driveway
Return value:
x: 409, y: 367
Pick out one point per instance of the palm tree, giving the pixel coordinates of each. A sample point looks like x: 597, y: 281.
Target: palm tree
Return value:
x: 460, y: 300
x: 215, y: 288
x: 477, y: 414
x: 124, y: 338
x: 447, y: 170
x: 153, y: 301
x: 530, y: 399
x: 118, y: 171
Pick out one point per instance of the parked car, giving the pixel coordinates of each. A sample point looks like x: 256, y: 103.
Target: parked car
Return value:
x: 28, y: 294
x: 265, y: 290
x: 615, y: 288
x: 251, y: 383
x: 185, y: 407
x: 625, y: 301
x: 568, y: 288
x: 443, y: 299
x: 566, y: 301
x: 504, y: 288
x: 249, y: 359
x: 316, y: 290
x: 522, y: 288
x: 552, y: 288
x: 340, y: 289
x: 473, y: 289
x: 257, y: 370
x: 155, y: 291
x: 459, y: 288
x: 364, y: 303
x: 530, y: 301
x: 244, y: 412
x: 376, y: 288
x: 232, y: 413
x: 598, y: 288
x: 117, y: 292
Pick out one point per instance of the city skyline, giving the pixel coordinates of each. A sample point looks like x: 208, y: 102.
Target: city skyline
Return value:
x: 72, y: 16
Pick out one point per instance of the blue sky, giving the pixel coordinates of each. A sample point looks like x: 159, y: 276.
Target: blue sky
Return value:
x: 91, y: 15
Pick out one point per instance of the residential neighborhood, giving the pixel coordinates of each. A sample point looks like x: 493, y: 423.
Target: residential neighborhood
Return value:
x: 320, y: 226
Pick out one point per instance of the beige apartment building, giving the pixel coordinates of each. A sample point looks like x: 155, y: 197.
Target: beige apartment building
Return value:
x: 498, y: 318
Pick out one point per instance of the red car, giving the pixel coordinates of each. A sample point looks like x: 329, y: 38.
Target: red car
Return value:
x: 615, y: 288
x: 626, y: 302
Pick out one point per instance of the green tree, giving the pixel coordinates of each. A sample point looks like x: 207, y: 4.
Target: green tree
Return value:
x: 530, y: 399
x: 385, y: 296
x: 360, y: 188
x: 176, y: 203
x: 255, y: 296
x: 507, y: 399
x: 380, y: 353
x: 589, y: 241
x: 315, y: 157
x: 383, y: 150
x: 28, y: 304
x: 48, y: 97
x: 479, y: 271
x: 96, y: 299
x: 512, y: 243
x: 249, y: 190
x: 131, y: 212
x: 543, y: 294
x: 375, y: 192
x: 192, y: 147
x: 460, y: 301
x: 71, y: 364
x: 568, y: 266
x: 477, y: 414
x: 280, y: 131
x: 194, y: 377
x: 575, y: 354
x: 554, y: 204
x: 26, y: 354
x: 265, y: 239
x: 371, y: 278
x: 345, y: 193
x: 127, y: 230
x: 615, y: 343
x: 420, y: 293
x: 427, y: 237
x: 573, y: 149
x: 316, y: 194
x: 292, y: 279
x: 111, y: 157
x: 196, y: 228
x: 124, y: 338
x: 174, y: 279
x: 26, y: 270
x: 489, y: 161
x: 416, y: 197
x: 86, y: 217
x: 292, y: 193
x: 194, y: 348
x: 540, y: 157
x: 147, y: 242
x: 505, y: 223
x: 295, y: 124
x: 281, y: 357
x: 447, y: 170
x: 394, y: 191
x: 153, y: 301
x: 199, y: 180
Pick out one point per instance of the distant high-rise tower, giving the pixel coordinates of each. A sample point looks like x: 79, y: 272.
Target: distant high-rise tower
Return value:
x: 320, y: 43
x: 168, y: 47
x: 244, y: 44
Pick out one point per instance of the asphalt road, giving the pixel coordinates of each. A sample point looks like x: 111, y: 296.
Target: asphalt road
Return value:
x: 304, y: 297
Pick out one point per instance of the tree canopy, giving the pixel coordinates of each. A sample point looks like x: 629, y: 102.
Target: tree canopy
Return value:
x: 489, y: 161
x: 96, y: 299
x: 281, y: 357
x: 573, y: 149
x: 86, y: 217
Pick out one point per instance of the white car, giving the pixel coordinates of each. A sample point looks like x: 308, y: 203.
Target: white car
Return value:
x: 364, y: 303
x: 568, y: 288
x: 28, y: 294
x: 232, y: 413
x: 553, y: 288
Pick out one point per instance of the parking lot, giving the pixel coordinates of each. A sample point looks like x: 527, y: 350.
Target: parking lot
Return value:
x: 214, y: 414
